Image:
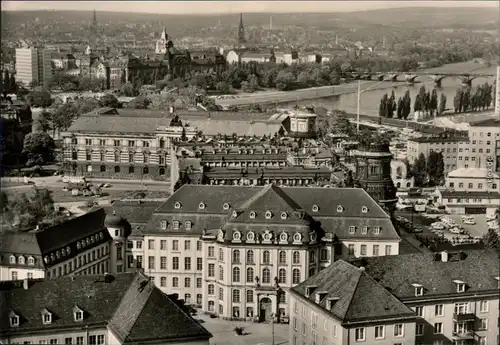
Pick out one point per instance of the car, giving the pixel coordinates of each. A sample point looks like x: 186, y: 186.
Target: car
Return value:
x: 106, y: 185
x: 456, y: 230
x: 470, y: 222
x: 418, y: 230
x: 438, y: 226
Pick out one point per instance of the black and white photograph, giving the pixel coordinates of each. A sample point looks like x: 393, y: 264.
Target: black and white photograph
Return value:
x: 250, y: 172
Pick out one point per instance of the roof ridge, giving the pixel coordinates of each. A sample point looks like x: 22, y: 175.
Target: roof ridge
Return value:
x: 354, y: 290
x: 254, y: 197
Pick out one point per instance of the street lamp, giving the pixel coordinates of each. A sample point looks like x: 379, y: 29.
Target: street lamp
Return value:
x: 359, y: 98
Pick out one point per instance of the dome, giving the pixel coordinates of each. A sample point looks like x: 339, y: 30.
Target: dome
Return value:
x: 113, y: 220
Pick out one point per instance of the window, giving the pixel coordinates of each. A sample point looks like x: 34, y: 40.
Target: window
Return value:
x: 461, y: 308
x: 266, y: 257
x: 79, y: 340
x: 359, y: 334
x: 198, y: 246
x: 379, y: 332
x: 221, y: 294
x: 211, y: 289
x: 482, y: 341
x: 376, y: 230
x: 282, y: 276
x: 236, y: 256
x: 388, y: 249
x: 296, y: 258
x: 221, y: 273
x: 163, y: 281
x: 249, y: 296
x: 199, y: 264
x: 266, y: 276
x: 352, y: 229
x: 187, y: 298
x: 100, y: 339
x: 438, y: 328
x: 211, y: 305
x: 250, y: 256
x: 151, y: 262
x: 236, y: 275
x: 250, y: 275
x: 419, y: 311
x: 419, y: 329
x: 175, y: 263
x: 175, y: 282
x: 47, y: 318
x: 187, y: 263
x: 398, y: 330
x: 211, y: 270
x: 163, y: 262
x: 12, y: 259
x: 363, y: 250
x: 187, y: 282
x: 236, y: 295
x: 163, y: 243
x: 375, y: 250
x: 483, y: 324
x: 68, y: 341
x: 295, y: 276
x: 211, y: 251
x: 221, y: 254
x: 14, y: 275
x: 351, y: 249
x: 483, y: 306
x: 439, y: 310
x: 151, y: 244
x: 187, y: 244
x: 175, y: 243
x: 282, y: 257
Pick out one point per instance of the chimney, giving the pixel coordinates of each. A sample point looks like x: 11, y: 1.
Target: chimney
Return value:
x: 25, y: 284
x: 444, y: 256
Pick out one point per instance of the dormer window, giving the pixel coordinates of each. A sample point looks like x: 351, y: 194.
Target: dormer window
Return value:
x: 78, y: 246
x: 315, y: 208
x: 175, y: 225
x: 419, y: 289
x: 330, y: 302
x: 46, y: 259
x: 235, y: 214
x: 226, y: 206
x: 269, y: 215
x: 376, y: 230
x: 236, y: 236
x: 252, y: 214
x: 310, y: 289
x: 297, y: 237
x: 364, y: 209
x: 283, y: 237
x: 364, y: 230
x: 46, y: 317
x: 77, y: 314
x: 250, y: 236
x: 177, y: 205
x: 284, y: 215
x: 320, y: 295
x: 352, y: 229
x: 58, y: 255
x: 21, y: 260
x: 201, y: 206
x: 101, y: 235
x: 188, y: 225
x: 163, y: 225
x: 498, y: 282
x: 12, y: 259
x: 340, y: 209
x: 63, y: 251
x: 68, y: 249
x: 460, y: 285
x: 13, y: 319
x: 31, y: 260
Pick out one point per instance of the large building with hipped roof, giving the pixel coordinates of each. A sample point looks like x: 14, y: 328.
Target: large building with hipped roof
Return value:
x: 96, y: 309
x: 437, y: 298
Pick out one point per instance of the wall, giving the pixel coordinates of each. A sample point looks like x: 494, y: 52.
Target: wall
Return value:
x: 60, y: 337
x: 394, y: 245
x: 22, y: 273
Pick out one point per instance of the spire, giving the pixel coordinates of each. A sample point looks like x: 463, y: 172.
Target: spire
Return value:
x: 164, y: 35
x: 241, y: 31
x: 93, y: 32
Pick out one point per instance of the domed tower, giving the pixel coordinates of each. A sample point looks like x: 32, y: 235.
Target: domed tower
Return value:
x: 373, y: 171
x: 119, y: 230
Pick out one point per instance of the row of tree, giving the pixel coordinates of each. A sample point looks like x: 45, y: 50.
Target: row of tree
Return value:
x: 430, y: 171
x: 425, y: 101
x: 7, y: 82
x: 467, y: 100
x: 66, y: 83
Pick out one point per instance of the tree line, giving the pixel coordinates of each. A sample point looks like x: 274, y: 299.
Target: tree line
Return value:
x: 468, y: 100
x: 430, y: 171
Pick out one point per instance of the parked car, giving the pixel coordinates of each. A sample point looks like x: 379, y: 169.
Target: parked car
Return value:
x: 470, y: 222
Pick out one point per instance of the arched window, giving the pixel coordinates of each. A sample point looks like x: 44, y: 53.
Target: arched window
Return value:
x: 250, y: 275
x: 250, y: 296
x: 12, y: 259
x: 236, y: 275
x: 130, y: 170
x: 236, y: 256
x: 282, y: 257
x: 295, y: 276
x: 398, y: 185
x: 408, y: 184
x: 21, y: 260
x: 282, y: 276
x: 117, y: 169
x: 187, y: 298
x: 211, y: 306
x: 221, y: 273
x: 103, y: 168
x: 266, y: 276
x: 89, y: 168
x: 211, y: 289
x: 250, y: 257
x: 145, y: 170
x: 236, y: 295
x: 162, y: 171
x: 399, y: 171
x: 266, y: 257
x: 117, y: 156
x: 296, y: 257
x: 187, y: 282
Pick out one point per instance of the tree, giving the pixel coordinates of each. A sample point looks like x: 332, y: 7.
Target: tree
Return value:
x: 127, y: 90
x: 64, y: 116
x: 342, y: 125
x: 285, y: 81
x: 222, y: 87
x: 433, y: 102
x: 435, y: 168
x: 44, y: 122
x: 39, y: 99
x: 490, y: 239
x: 140, y: 102
x: 109, y: 100
x: 457, y: 101
x: 406, y: 105
x: 419, y: 170
x: 253, y: 82
x: 400, y: 108
x: 442, y: 104
x: 38, y: 148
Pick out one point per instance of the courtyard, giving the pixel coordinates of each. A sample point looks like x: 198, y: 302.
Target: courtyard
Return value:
x: 254, y: 333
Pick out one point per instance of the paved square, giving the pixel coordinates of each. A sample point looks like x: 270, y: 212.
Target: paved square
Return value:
x: 256, y: 333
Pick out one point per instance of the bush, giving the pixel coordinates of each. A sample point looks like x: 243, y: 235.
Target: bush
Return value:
x: 239, y: 330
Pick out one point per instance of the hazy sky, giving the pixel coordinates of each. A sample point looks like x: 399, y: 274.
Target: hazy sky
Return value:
x: 200, y: 7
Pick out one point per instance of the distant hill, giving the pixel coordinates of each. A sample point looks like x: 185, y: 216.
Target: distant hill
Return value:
x: 417, y: 17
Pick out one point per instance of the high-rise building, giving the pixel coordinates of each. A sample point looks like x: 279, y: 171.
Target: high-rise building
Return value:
x: 33, y: 66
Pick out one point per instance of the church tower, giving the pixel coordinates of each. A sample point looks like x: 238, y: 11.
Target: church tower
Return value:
x: 93, y: 33
x: 241, y: 32
x: 161, y: 43
x: 373, y: 171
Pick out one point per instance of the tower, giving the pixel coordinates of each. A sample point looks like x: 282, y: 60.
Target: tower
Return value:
x: 119, y: 230
x: 373, y: 171
x: 93, y: 32
x: 241, y: 32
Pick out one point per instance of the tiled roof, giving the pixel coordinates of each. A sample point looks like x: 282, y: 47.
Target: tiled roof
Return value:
x: 268, y: 172
x: 477, y: 268
x: 358, y: 296
x: 319, y: 203
x: 132, y: 307
x: 19, y: 243
x: 448, y: 194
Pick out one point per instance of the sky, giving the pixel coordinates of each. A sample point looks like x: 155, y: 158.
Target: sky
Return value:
x: 209, y: 7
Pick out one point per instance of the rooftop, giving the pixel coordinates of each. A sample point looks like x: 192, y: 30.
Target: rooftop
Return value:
x: 350, y: 295
x: 473, y: 173
x: 489, y: 122
x: 128, y: 304
x: 438, y: 139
